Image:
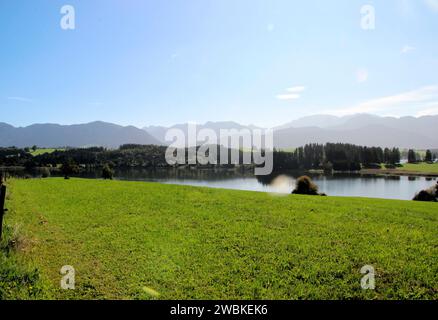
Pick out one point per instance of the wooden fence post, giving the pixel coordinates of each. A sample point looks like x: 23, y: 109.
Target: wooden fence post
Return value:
x: 2, y: 206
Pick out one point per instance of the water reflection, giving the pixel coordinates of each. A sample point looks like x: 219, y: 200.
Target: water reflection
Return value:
x: 339, y: 184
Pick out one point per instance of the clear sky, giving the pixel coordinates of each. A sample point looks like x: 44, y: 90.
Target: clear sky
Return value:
x: 265, y: 62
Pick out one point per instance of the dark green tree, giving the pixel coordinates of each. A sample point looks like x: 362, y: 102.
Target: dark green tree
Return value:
x: 428, y: 157
x: 68, y: 168
x: 45, y: 172
x: 107, y: 172
x: 412, y: 158
x: 395, y: 157
x: 387, y: 156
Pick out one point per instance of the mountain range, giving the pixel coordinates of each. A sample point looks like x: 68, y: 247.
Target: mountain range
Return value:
x: 81, y: 135
x: 159, y: 132
x: 360, y: 129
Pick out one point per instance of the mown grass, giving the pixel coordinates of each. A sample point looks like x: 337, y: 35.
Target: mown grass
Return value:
x: 420, y: 167
x: 134, y: 240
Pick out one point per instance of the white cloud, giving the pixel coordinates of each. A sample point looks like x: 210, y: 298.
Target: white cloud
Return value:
x: 292, y: 96
x: 432, y: 4
x: 293, y: 93
x: 420, y: 99
x: 407, y: 49
x: 361, y: 75
x: 20, y: 99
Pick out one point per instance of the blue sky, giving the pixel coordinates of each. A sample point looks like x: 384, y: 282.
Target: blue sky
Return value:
x: 160, y: 62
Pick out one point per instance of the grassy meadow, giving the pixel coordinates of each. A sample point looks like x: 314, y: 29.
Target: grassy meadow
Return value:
x: 137, y: 240
x: 415, y: 169
x: 420, y: 167
x: 41, y: 151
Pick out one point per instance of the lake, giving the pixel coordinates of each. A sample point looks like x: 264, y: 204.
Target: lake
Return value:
x: 338, y: 184
x: 354, y: 185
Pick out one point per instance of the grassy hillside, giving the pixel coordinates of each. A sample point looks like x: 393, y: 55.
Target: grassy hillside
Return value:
x: 420, y: 167
x: 38, y: 152
x: 135, y: 240
x: 414, y: 169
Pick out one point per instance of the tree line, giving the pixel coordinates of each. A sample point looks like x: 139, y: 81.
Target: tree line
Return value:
x: 331, y: 156
x: 415, y: 157
x: 336, y: 156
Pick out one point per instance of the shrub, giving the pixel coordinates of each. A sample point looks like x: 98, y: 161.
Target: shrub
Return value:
x: 372, y: 166
x: 328, y: 167
x: 45, y: 172
x: 107, y: 172
x: 423, y: 195
x: 430, y: 194
x: 305, y: 185
x: 68, y: 168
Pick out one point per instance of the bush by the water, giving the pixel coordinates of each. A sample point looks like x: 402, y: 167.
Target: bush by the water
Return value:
x: 430, y: 194
x: 69, y: 168
x: 328, y: 167
x: 305, y: 185
x: 372, y: 166
x: 45, y: 172
x: 107, y: 172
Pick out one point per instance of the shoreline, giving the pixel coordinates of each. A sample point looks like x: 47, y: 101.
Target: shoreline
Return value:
x: 397, y: 172
x: 385, y: 172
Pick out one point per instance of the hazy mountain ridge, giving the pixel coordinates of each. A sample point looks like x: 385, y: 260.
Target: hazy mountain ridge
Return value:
x: 320, y: 121
x: 360, y: 129
x: 372, y: 135
x: 159, y: 132
x: 79, y: 135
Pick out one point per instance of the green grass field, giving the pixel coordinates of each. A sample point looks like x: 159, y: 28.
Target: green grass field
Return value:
x: 134, y: 240
x: 420, y: 167
x: 38, y: 152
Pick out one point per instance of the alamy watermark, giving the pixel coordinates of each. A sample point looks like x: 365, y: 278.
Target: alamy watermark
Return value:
x: 368, y: 20
x: 68, y: 280
x: 202, y: 147
x: 68, y: 19
x: 368, y: 281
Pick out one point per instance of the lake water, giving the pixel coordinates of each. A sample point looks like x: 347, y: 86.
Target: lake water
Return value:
x: 355, y: 185
x: 344, y: 185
